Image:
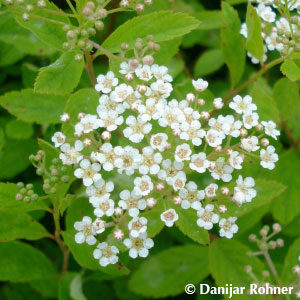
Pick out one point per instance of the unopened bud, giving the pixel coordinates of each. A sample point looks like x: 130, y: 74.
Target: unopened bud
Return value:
x: 222, y: 209
x: 225, y: 190
x: 148, y: 60
x: 151, y: 202
x: 276, y: 227
x: 160, y: 186
x: 243, y: 132
x: 265, y: 142
x: 106, y: 135
x: 280, y: 243
x: 129, y: 77
x: 139, y: 7
x: 177, y: 200
x: 190, y: 97
x: 142, y: 89
x: 118, y: 234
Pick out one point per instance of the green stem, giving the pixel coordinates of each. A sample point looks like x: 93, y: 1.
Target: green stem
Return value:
x: 106, y: 52
x: 89, y: 67
x: 117, y: 10
x: 58, y: 13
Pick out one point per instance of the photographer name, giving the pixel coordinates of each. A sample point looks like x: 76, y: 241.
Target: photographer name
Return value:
x: 254, y: 289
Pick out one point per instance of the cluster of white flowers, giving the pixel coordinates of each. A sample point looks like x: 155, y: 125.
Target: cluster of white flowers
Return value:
x: 168, y: 141
x: 279, y: 33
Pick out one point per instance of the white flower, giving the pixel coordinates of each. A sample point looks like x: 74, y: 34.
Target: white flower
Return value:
x: 86, y: 231
x: 199, y: 162
x: 244, y: 30
x: 65, y: 117
x: 106, y: 254
x: 110, y: 119
x: 266, y: 13
x: 152, y: 110
x: 137, y: 129
x: 183, y: 152
x: 143, y: 72
x: 161, y: 72
x: 169, y: 217
x: 210, y: 190
x: 164, y: 89
x: 107, y: 104
x: 143, y: 185
x: 200, y: 85
x: 170, y: 170
x: 126, y: 68
x: 268, y: 158
x: 250, y: 144
x: 171, y: 116
x: 88, y: 172
x: 228, y: 227
x: 272, y: 42
x: 105, y: 83
x: 159, y: 141
x: 213, y: 138
x: 218, y: 103
x: 222, y: 170
x: 242, y: 105
x: 150, y: 161
x: 139, y: 246
x: 244, y: 191
x: 137, y: 226
x: 87, y: 124
x: 236, y: 160
x: 132, y: 202
x: 99, y: 190
x: 270, y: 129
x: 58, y: 139
x: 71, y: 155
x: 207, y: 217
x: 107, y: 156
x: 250, y: 120
x: 191, y: 196
x: 192, y: 132
x: 121, y: 92
x: 104, y: 207
x: 99, y: 226
x: 129, y: 160
x: 178, y: 181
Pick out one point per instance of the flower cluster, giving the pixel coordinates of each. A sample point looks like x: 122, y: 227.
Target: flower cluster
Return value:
x: 281, y: 34
x: 167, y: 143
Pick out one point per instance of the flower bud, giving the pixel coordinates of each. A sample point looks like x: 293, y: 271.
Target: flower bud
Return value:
x: 139, y: 7
x: 225, y: 190
x: 124, y: 46
x: 106, y: 135
x: 78, y: 57
x: 102, y: 13
x: 124, y: 3
x: 118, y: 234
x: 177, y: 200
x: 87, y: 142
x: 19, y: 196
x: 25, y: 17
x: 190, y: 97
x: 252, y: 238
x: 222, y: 209
x: 142, y: 89
x: 71, y: 34
x: 134, y: 63
x: 81, y: 115
x: 87, y: 11
x: 243, y: 132
x: 201, y: 102
x: 65, y: 117
x: 218, y: 148
x: 129, y: 77
x: 156, y: 47
x: 265, y: 142
x: 160, y: 186
x: 99, y: 25
x: 276, y: 227
x: 151, y: 202
x: 204, y: 115
x: 148, y: 60
x: 248, y: 269
x: 218, y: 103
x: 272, y: 245
x: 280, y: 243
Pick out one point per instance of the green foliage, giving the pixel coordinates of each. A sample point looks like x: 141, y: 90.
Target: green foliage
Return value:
x: 291, y: 70
x: 209, y: 19
x: 183, y: 264
x: 34, y: 107
x: 20, y: 262
x: 254, y: 42
x: 61, y: 77
x: 232, y: 43
x: 18, y: 130
x: 167, y: 26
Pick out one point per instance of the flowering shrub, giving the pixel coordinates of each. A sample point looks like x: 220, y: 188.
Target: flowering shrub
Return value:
x: 156, y: 147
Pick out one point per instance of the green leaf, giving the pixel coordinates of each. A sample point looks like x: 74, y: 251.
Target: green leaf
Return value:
x: 209, y: 62
x: 167, y: 50
x: 291, y: 70
x: 14, y: 157
x: 287, y: 205
x: 29, y: 73
x: 21, y: 38
x: 64, y: 292
x: 21, y: 262
x: 254, y: 42
x: 187, y: 223
x: 33, y: 107
x: 84, y: 100
x: 50, y: 33
x: 227, y: 259
x: 18, y: 130
x: 20, y: 226
x: 8, y: 200
x: 286, y: 95
x: 232, y: 43
x: 290, y: 261
x: 263, y: 96
x: 76, y: 288
x: 209, y: 19
x: 61, y: 77
x: 9, y: 54
x: 163, y: 25
x: 167, y: 273
x: 155, y: 224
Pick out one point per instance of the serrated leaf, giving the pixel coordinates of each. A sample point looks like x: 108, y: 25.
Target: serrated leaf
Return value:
x: 187, y: 224
x: 291, y: 259
x: 8, y: 200
x: 61, y: 77
x: 84, y: 100
x: 29, y: 73
x: 163, y: 25
x: 209, y: 62
x: 232, y: 43
x: 287, y: 205
x: 167, y: 50
x: 167, y: 273
x: 209, y: 19
x: 9, y: 54
x: 34, y: 107
x: 18, y: 130
x: 50, y: 33
x: 20, y: 226
x: 291, y: 70
x: 227, y: 259
x: 254, y: 42
x: 21, y: 262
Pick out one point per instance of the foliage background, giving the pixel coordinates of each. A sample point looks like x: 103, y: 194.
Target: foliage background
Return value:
x: 30, y: 268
